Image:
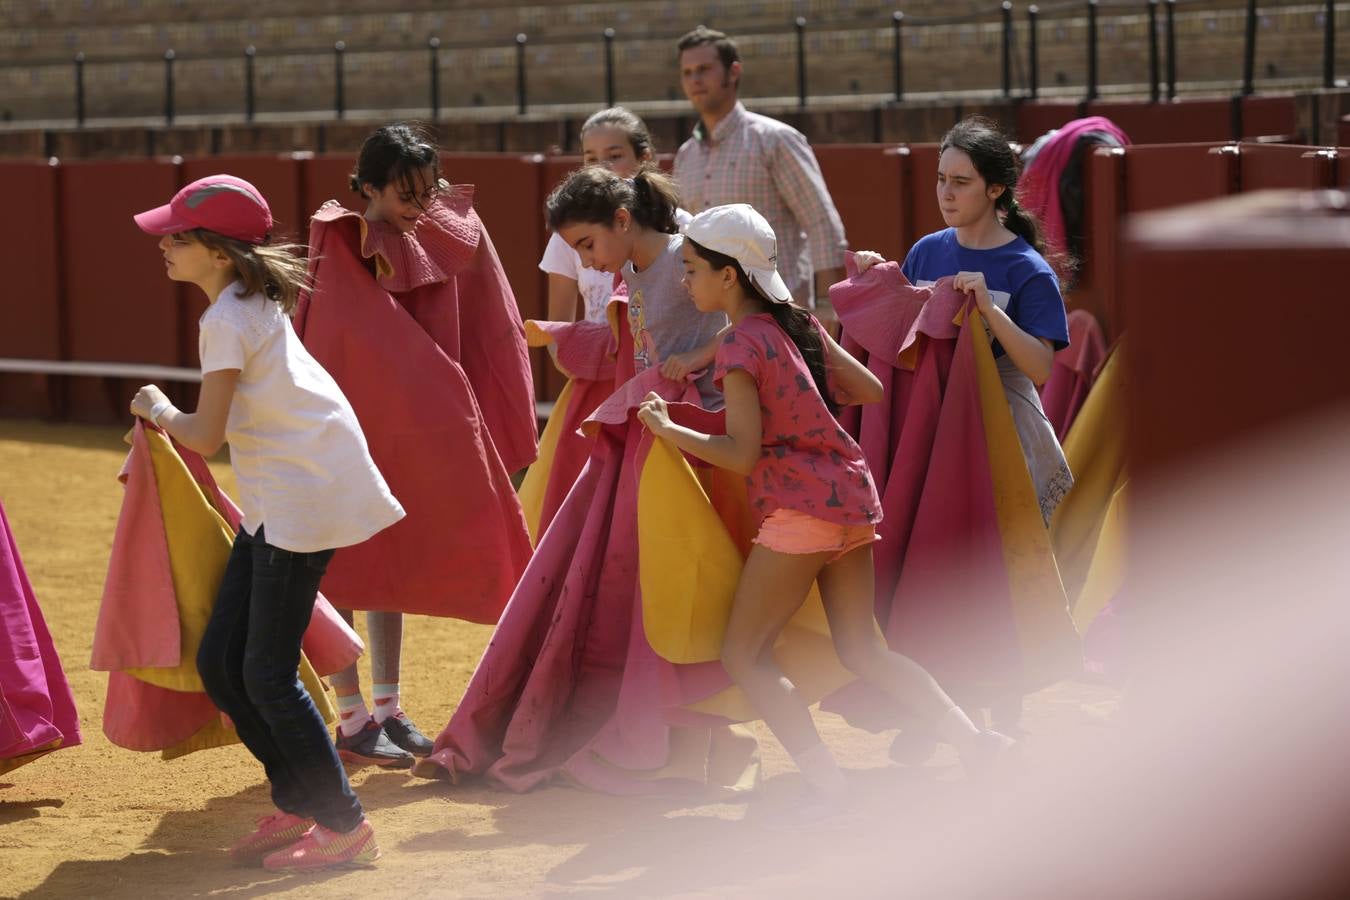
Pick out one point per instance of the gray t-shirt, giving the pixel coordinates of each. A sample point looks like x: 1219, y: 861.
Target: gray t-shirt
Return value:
x: 663, y: 318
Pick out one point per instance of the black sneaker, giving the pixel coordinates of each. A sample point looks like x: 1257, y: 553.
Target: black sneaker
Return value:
x: 371, y: 747
x: 404, y: 733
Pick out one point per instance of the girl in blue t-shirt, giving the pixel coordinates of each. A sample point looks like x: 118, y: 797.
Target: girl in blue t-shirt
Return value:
x: 993, y: 250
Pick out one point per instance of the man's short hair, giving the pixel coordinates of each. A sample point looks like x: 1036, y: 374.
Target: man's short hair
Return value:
x: 702, y: 36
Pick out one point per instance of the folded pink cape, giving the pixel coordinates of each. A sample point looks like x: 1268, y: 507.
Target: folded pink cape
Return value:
x: 138, y: 621
x: 568, y: 685
x: 1074, y: 371
x: 431, y: 353
x: 943, y: 589
x: 1039, y: 187
x: 586, y: 354
x: 882, y: 310
x: 37, y: 711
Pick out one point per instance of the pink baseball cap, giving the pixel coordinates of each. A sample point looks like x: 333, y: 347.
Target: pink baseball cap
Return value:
x: 220, y: 203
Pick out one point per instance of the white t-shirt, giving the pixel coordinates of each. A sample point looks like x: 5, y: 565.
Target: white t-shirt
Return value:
x: 596, y: 287
x: 299, y: 456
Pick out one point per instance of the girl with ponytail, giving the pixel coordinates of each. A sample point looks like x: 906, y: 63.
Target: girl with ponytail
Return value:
x: 808, y: 486
x: 630, y: 226
x: 618, y: 140
x: 570, y: 685
x: 993, y: 248
x: 994, y: 251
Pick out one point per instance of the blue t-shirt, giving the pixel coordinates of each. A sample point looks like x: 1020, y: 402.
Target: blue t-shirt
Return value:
x: 1019, y: 279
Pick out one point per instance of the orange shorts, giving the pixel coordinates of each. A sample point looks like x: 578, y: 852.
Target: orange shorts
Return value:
x: 791, y: 531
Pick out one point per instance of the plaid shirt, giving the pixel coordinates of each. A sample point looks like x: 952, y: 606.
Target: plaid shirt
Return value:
x: 768, y: 164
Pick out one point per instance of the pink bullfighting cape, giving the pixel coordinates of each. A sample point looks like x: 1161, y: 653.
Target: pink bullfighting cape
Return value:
x: 605, y: 668
x: 422, y: 334
x: 37, y: 711
x: 1073, y: 373
x: 966, y: 582
x: 1040, y: 183
x: 585, y: 354
x: 173, y: 539
x: 1089, y: 528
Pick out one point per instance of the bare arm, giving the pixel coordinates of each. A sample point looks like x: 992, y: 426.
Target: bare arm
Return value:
x: 678, y: 365
x: 1035, y: 356
x: 854, y: 383
x: 203, y: 430
x: 739, y: 449
x: 563, y: 297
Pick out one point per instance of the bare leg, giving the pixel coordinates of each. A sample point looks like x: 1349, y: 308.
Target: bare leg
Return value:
x: 773, y: 587
x: 846, y: 586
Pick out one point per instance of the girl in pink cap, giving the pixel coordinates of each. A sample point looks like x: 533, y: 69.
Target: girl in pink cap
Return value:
x: 808, y: 484
x: 293, y: 439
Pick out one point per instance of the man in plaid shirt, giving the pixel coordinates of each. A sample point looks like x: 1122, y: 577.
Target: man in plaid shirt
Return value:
x: 737, y: 156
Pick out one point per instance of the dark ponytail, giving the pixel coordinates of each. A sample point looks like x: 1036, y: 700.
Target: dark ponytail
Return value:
x: 594, y: 194
x: 994, y: 159
x: 795, y: 322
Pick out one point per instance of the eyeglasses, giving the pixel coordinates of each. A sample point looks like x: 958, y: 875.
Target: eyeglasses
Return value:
x: 422, y: 199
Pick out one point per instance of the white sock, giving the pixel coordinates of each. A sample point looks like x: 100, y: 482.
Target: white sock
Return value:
x: 352, y: 714
x: 386, y: 701
x: 818, y: 767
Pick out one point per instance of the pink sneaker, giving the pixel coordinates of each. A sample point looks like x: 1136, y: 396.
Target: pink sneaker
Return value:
x: 321, y: 848
x: 278, y: 830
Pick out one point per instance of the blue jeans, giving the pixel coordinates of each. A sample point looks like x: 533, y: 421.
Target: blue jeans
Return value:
x: 248, y: 660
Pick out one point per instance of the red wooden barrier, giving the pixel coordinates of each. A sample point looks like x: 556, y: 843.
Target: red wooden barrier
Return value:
x: 1035, y: 119
x: 870, y: 186
x: 31, y: 326
x: 1267, y: 166
x: 1180, y: 121
x: 1104, y: 171
x: 1162, y: 175
x: 925, y: 216
x: 1188, y: 394
x: 1270, y: 115
x: 324, y: 178
x: 120, y: 306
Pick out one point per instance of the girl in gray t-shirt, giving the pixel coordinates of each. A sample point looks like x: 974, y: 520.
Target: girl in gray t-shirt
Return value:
x: 629, y: 225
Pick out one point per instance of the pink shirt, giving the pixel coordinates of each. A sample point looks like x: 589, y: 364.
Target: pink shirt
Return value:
x: 808, y: 462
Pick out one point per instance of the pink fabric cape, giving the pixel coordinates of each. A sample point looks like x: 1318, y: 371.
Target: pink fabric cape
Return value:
x: 568, y: 686
x: 1074, y: 371
x: 432, y: 356
x: 37, y: 710
x: 1039, y: 187
x: 138, y: 618
x: 586, y: 354
x: 942, y: 587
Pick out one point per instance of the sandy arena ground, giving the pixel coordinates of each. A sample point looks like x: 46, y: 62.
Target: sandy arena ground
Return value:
x: 100, y: 821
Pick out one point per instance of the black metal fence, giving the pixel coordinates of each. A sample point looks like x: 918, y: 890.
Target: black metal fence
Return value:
x: 1162, y: 79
